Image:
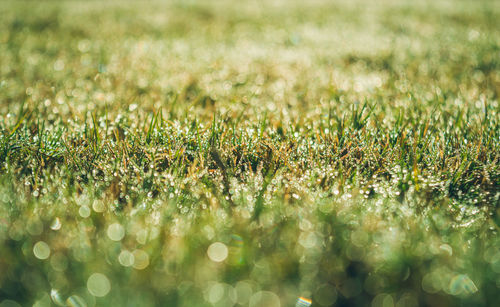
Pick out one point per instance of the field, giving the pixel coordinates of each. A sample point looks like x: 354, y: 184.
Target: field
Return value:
x: 250, y: 153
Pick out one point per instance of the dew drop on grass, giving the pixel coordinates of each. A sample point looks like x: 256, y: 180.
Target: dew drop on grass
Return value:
x: 126, y: 258
x: 56, y: 224
x: 142, y: 236
x: 98, y: 285
x: 98, y: 206
x: 75, y: 301
x: 462, y: 285
x: 447, y: 249
x: 41, y: 250
x: 303, y: 302
x: 217, y: 252
x: 141, y: 259
x: 56, y: 297
x: 84, y: 211
x: 116, y: 232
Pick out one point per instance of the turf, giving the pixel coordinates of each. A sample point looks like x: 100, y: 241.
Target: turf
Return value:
x: 255, y: 153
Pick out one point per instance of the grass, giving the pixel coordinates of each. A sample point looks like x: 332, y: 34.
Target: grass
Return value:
x: 194, y: 153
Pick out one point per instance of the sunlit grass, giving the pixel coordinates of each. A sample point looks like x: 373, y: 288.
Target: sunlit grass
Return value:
x: 284, y: 153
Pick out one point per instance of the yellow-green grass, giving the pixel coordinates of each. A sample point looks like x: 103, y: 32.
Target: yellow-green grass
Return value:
x: 198, y: 153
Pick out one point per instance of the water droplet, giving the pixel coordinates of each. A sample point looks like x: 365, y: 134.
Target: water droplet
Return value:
x: 75, y: 301
x: 142, y: 236
x: 217, y: 252
x: 141, y: 259
x: 98, y: 206
x: 84, y: 211
x: 462, y: 285
x: 56, y: 224
x: 303, y: 302
x: 116, y: 232
x: 126, y: 258
x: 447, y: 249
x: 98, y: 285
x: 41, y: 250
x: 56, y: 297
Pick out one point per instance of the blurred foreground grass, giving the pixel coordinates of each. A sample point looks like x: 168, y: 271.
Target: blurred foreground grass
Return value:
x: 263, y: 153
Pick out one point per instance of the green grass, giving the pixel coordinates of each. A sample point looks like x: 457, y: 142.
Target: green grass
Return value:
x: 199, y: 153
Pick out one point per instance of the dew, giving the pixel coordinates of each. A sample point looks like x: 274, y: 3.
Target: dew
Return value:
x: 217, y: 252
x: 98, y: 206
x: 264, y: 298
x: 41, y: 250
x: 84, y: 211
x: 142, y: 236
x: 126, y: 258
x: 303, y: 302
x: 141, y: 259
x: 447, y: 249
x: 116, y: 232
x: 462, y: 285
x: 98, y: 285
x: 75, y: 301
x: 56, y: 297
x: 56, y: 224
x: 238, y: 240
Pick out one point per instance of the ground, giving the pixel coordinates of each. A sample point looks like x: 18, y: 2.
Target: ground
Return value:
x: 254, y: 153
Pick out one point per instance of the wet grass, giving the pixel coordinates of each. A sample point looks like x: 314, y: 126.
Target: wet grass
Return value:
x: 285, y: 153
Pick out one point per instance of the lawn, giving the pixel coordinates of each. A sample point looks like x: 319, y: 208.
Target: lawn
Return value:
x: 250, y: 153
